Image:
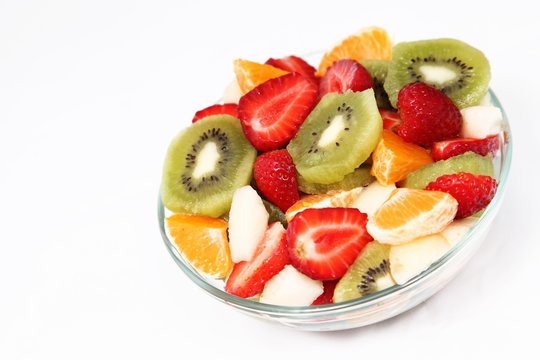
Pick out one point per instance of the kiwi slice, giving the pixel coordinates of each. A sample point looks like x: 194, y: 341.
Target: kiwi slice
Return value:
x: 378, y: 69
x: 456, y: 68
x: 337, y: 136
x: 359, y: 177
x: 275, y: 214
x: 205, y: 164
x: 369, y: 273
x: 468, y: 162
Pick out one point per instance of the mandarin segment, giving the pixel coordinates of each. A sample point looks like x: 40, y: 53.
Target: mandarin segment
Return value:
x: 202, y: 240
x: 250, y: 74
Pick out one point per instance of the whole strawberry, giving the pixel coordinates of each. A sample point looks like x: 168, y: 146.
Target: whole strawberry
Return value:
x: 427, y: 115
x: 473, y: 192
x: 275, y: 175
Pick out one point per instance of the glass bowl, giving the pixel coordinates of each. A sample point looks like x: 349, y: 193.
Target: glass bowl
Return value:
x: 378, y: 306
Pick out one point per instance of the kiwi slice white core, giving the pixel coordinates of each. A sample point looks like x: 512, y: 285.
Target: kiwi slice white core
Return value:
x: 438, y: 74
x: 206, y: 161
x: 331, y: 134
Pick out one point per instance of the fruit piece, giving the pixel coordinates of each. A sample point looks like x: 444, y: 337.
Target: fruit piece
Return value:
x: 390, y: 119
x: 294, y: 64
x: 275, y: 176
x: 345, y: 75
x: 340, y: 198
x: 410, y: 259
x: 372, y: 197
x: 452, y: 66
x: 248, y: 219
x: 443, y: 150
x: 411, y: 213
x: 248, y: 277
x: 369, y: 273
x: 427, y: 115
x: 250, y: 74
x: 368, y: 43
x: 204, y: 165
x: 481, y: 121
x: 323, y: 243
x: 291, y: 288
x: 327, y: 297
x: 468, y: 162
x: 378, y: 69
x: 358, y: 178
x: 232, y: 93
x: 337, y: 136
x: 275, y: 214
x: 473, y: 192
x: 272, y: 112
x: 217, y: 109
x: 202, y: 240
x: 454, y: 232
x: 394, y: 159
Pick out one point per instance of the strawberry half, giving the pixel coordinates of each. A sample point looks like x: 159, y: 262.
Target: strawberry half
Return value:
x: 327, y: 297
x: 272, y: 112
x: 443, y: 150
x: 390, y: 119
x: 275, y: 175
x: 473, y: 192
x: 294, y: 64
x: 345, y: 75
x: 427, y: 115
x: 218, y: 109
x: 323, y: 243
x: 248, y: 277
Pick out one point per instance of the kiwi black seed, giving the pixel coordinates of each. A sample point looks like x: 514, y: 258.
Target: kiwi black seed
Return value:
x: 205, y: 164
x: 337, y: 136
x: 459, y: 70
x: 378, y: 69
x: 369, y: 273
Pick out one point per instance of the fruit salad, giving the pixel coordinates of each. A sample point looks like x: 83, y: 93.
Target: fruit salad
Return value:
x: 310, y: 186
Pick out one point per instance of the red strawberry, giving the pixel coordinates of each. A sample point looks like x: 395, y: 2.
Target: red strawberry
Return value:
x: 275, y: 175
x: 473, y: 192
x: 327, y: 297
x: 294, y: 64
x: 443, y: 150
x: 218, y: 109
x: 427, y: 115
x: 272, y: 112
x: 323, y: 243
x: 390, y: 119
x: 248, y: 277
x: 345, y: 75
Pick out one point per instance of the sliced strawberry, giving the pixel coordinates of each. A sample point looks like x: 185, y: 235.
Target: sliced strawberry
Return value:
x: 327, y: 297
x: 345, y: 75
x: 443, y: 150
x: 323, y: 243
x: 390, y: 119
x: 275, y: 175
x: 248, y: 277
x: 294, y: 64
x: 218, y: 109
x: 272, y: 112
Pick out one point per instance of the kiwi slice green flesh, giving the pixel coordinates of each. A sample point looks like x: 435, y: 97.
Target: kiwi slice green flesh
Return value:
x: 378, y: 69
x: 358, y: 178
x: 275, y: 214
x: 468, y: 162
x: 369, y: 273
x: 205, y: 164
x: 459, y: 70
x: 337, y: 136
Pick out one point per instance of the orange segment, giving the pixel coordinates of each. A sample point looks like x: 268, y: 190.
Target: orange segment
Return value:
x: 411, y: 213
x: 368, y: 43
x: 394, y: 159
x: 202, y: 240
x: 250, y: 74
x: 319, y: 201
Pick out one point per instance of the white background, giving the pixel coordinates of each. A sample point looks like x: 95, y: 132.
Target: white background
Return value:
x: 90, y: 95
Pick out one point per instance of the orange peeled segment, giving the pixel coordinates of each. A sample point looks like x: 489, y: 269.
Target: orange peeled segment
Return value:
x: 394, y: 159
x: 411, y: 213
x: 202, y: 240
x: 250, y: 74
x: 372, y: 43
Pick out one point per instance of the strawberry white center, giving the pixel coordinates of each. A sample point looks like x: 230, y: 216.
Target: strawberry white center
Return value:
x: 437, y: 74
x: 331, y: 133
x: 206, y: 160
